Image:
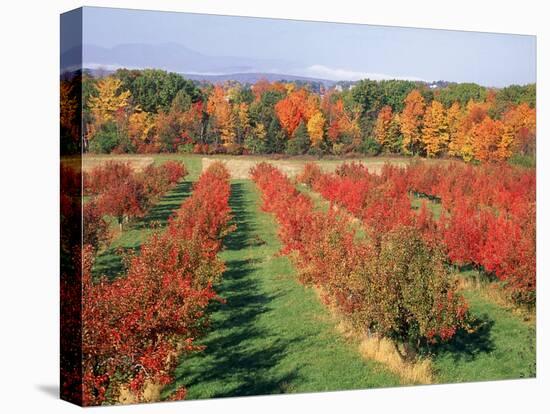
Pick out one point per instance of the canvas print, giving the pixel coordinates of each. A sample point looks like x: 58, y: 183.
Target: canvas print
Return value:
x: 255, y: 206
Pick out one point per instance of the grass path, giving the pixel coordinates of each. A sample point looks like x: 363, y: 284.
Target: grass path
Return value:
x: 272, y: 335
x: 502, y: 346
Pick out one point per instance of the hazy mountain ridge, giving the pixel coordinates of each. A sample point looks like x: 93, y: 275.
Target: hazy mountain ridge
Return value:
x: 172, y: 57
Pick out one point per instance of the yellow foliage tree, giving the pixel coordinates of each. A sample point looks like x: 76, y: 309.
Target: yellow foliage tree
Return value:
x: 435, y: 134
x: 259, y: 131
x: 454, y: 116
x: 242, y: 120
x: 140, y: 126
x: 315, y: 127
x: 109, y: 100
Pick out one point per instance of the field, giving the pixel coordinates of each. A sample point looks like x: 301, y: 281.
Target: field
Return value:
x: 271, y: 333
x: 304, y: 229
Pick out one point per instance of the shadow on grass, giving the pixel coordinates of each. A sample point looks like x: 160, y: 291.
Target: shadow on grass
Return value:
x: 244, y: 236
x: 240, y: 355
x: 109, y: 263
x: 467, y: 346
x: 166, y: 206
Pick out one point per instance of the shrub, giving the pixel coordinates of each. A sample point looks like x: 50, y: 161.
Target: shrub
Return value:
x: 135, y: 327
x: 95, y: 230
x: 408, y: 294
x: 311, y: 174
x: 120, y: 192
x: 397, y: 287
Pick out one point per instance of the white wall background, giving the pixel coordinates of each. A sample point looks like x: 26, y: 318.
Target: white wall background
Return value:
x: 29, y: 203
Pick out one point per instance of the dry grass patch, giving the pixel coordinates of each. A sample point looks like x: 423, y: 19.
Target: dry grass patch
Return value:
x: 137, y: 163
x: 382, y: 350
x: 151, y: 393
x: 239, y: 167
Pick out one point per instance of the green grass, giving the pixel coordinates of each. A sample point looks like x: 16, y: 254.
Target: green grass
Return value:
x: 272, y: 335
x: 503, y: 346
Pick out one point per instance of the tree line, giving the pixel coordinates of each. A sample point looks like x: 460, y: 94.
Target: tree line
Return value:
x: 150, y: 111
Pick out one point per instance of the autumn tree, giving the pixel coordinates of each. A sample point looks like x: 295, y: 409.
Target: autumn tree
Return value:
x: 242, y: 121
x: 411, y: 122
x: 141, y: 127
x: 264, y: 86
x: 292, y: 110
x: 193, y: 122
x: 454, y: 115
x: 123, y: 200
x: 383, y: 125
x: 461, y: 143
x: 334, y: 112
x: 520, y: 129
x: 486, y: 139
x: 109, y: 100
x: 222, y: 117
x: 344, y: 124
x: 256, y: 140
x: 168, y: 131
x: 394, y: 138
x: 68, y: 106
x: 315, y: 127
x: 435, y: 133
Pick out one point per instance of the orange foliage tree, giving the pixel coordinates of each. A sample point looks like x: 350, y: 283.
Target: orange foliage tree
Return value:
x: 486, y: 139
x: 411, y: 122
x: 292, y: 110
x: 383, y: 125
x: 520, y: 128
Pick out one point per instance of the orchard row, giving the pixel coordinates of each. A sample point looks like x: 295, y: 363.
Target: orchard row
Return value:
x: 135, y: 327
x: 488, y: 217
x: 116, y: 190
x: 398, y: 287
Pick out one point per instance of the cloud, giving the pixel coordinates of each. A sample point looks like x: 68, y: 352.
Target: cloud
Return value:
x: 324, y: 72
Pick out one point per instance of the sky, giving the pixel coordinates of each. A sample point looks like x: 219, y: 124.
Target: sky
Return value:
x: 332, y: 51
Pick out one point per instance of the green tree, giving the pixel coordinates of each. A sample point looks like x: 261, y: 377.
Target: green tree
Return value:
x: 462, y: 93
x: 300, y: 142
x: 153, y: 89
x: 105, y: 139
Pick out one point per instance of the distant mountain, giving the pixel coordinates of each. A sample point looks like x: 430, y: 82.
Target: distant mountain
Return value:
x: 243, y: 78
x: 252, y: 78
x: 172, y: 57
